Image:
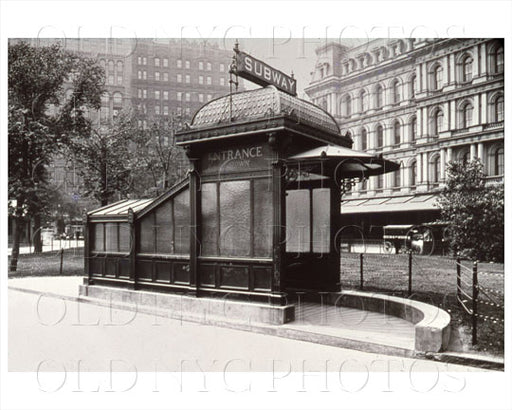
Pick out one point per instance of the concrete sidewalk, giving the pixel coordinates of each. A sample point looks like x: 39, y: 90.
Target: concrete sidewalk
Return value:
x: 327, y: 325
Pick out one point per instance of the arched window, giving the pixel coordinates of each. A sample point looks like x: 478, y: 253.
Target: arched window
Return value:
x: 499, y: 60
x: 436, y: 169
x: 437, y: 78
x: 363, y: 101
x: 397, y: 180
x: 118, y: 98
x: 414, y: 124
x: 412, y: 86
x: 379, y: 96
x: 396, y: 91
x: 347, y: 106
x: 499, y: 161
x: 119, y: 66
x: 438, y: 122
x: 105, y: 98
x: 412, y: 174
x: 467, y: 115
x: 364, y: 139
x: 396, y: 132
x: 467, y: 69
x: 380, y: 136
x: 499, y: 109
x: 110, y: 65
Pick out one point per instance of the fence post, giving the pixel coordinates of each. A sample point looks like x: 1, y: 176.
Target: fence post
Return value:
x: 475, y: 300
x: 61, y: 260
x: 459, y: 293
x: 361, y: 272
x: 410, y: 273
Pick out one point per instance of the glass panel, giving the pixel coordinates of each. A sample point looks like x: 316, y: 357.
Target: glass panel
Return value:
x: 321, y: 220
x: 235, y: 218
x: 263, y: 217
x: 182, y: 223
x: 124, y: 237
x: 209, y: 218
x: 164, y: 228
x: 147, y: 234
x: 111, y: 239
x: 298, y: 221
x: 98, y: 237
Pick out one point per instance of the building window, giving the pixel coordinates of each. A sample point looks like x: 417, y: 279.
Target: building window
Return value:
x: 413, y: 86
x: 467, y: 69
x: 497, y: 162
x: 414, y: 125
x: 166, y: 62
x: 144, y: 93
x: 208, y: 67
x: 208, y: 80
x: 437, y: 78
x: 157, y: 76
x: 178, y: 78
x: 187, y: 64
x: 379, y: 96
x: 467, y: 116
x: 157, y: 109
x: 396, y: 132
x: 436, y: 169
x: 201, y: 67
x: 178, y: 63
x: 397, y: 181
x: 119, y: 79
x: 144, y: 75
x: 179, y: 95
x: 380, y: 182
x: 157, y: 62
x: 380, y: 136
x: 144, y: 61
x: 139, y: 93
x: 396, y: 91
x: 222, y: 81
x: 139, y: 75
x: 111, y: 79
x: 187, y: 111
x: 187, y: 96
x: 346, y: 106
x: 201, y: 97
x: 120, y: 66
x: 187, y: 79
x: 166, y: 95
x: 363, y: 101
x: 209, y: 97
x: 499, y: 109
x: 157, y: 95
x: 166, y: 110
x: 166, y: 76
x: 222, y: 68
x: 364, y: 139
x: 412, y: 173
x: 110, y: 65
x: 139, y: 60
x: 118, y: 98
x: 201, y: 79
x: 497, y: 60
x: 438, y: 122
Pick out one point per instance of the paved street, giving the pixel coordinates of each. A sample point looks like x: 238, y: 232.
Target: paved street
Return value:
x: 53, y: 334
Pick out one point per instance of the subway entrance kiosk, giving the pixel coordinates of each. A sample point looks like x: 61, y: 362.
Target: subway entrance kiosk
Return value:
x: 255, y: 220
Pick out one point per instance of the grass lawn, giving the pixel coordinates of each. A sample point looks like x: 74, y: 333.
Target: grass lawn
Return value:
x: 48, y: 264
x: 434, y: 281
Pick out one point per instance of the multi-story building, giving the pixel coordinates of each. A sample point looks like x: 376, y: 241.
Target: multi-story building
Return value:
x: 420, y: 102
x: 160, y: 79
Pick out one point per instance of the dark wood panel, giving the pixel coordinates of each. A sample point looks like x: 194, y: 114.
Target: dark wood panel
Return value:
x: 262, y: 278
x: 181, y: 273
x: 96, y: 266
x: 123, y: 266
x: 145, y: 270
x: 163, y: 271
x: 234, y: 277
x: 207, y: 275
x: 111, y: 267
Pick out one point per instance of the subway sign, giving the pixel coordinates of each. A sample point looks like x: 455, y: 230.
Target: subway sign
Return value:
x: 262, y: 74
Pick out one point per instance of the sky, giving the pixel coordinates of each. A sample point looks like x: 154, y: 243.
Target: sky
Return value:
x: 287, y: 55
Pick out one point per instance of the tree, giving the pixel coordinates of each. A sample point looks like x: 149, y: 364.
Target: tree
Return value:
x: 474, y: 211
x: 104, y: 159
x: 159, y: 163
x: 41, y: 122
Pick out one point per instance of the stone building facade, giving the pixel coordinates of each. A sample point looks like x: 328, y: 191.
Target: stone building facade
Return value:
x: 420, y: 102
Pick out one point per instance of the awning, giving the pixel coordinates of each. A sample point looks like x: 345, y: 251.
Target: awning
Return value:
x: 342, y: 162
x: 390, y: 204
x: 121, y: 207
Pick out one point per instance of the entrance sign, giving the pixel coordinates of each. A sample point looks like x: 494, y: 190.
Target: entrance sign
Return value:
x: 237, y: 158
x: 262, y: 74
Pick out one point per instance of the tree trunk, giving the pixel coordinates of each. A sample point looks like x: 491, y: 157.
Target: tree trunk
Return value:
x: 38, y: 244
x: 13, y: 266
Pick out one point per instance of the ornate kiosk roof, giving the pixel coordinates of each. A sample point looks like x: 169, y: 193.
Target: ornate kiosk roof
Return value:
x: 243, y: 110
